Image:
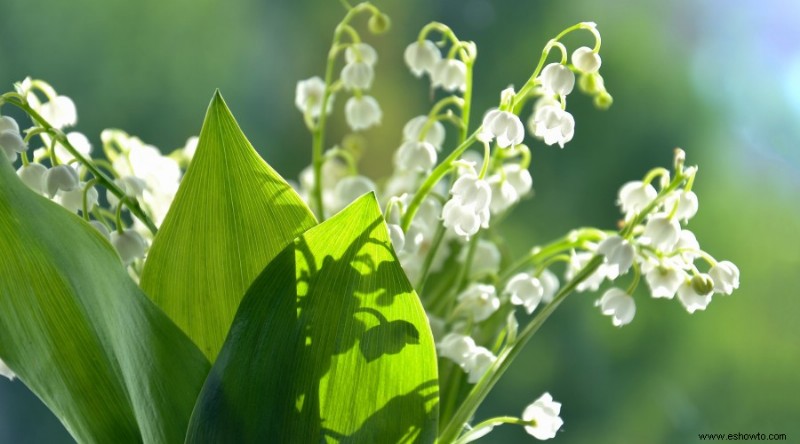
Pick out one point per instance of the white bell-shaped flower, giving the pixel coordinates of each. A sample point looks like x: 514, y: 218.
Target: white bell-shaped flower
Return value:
x: 357, y: 75
x: 617, y: 304
x: 661, y: 231
x: 519, y: 178
x: 308, y: 97
x: 504, y: 126
x: 664, y: 280
x: 465, y: 220
x: 689, y: 249
x: 415, y: 156
x: 450, y: 74
x: 478, y: 363
x: 132, y: 186
x: 60, y: 177
x: 480, y: 301
x: 576, y: 262
x: 7, y: 372
x: 472, y: 190
x: 33, y: 175
x: 130, y: 245
x: 618, y: 254
x: 557, y: 79
x: 552, y: 124
x: 8, y: 124
x: 60, y: 112
x: 695, y: 294
x: 11, y: 143
x: 362, y: 112
x: 503, y: 194
x: 634, y: 196
x: 456, y: 347
x: 586, y: 60
x: 397, y: 236
x: 543, y: 414
x: 434, y: 135
x: 422, y: 57
x: 725, y: 276
x: 526, y: 290
x: 361, y: 52
x: 73, y: 200
x: 687, y: 204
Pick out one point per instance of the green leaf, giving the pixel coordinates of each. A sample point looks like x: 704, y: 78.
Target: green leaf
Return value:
x: 330, y: 344
x: 79, y: 332
x: 232, y: 214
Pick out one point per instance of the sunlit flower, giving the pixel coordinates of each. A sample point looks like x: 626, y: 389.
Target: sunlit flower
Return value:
x: 357, y: 75
x: 478, y: 363
x: 550, y: 285
x: 78, y: 141
x: 586, y: 60
x: 60, y: 112
x: 552, y: 124
x: 73, y: 200
x: 361, y: 52
x: 661, y: 231
x: 450, y: 74
x: 618, y: 254
x: 11, y: 141
x: 349, y: 189
x: 480, y: 301
x: 695, y: 294
x: 485, y: 260
x: 725, y: 276
x: 557, y: 79
x: 664, y: 280
x: 504, y: 126
x: 543, y: 414
x: 434, y: 134
x: 456, y: 347
x: 308, y: 97
x: 687, y: 204
x: 634, y: 196
x: 524, y: 289
x: 60, y: 177
x: 617, y: 304
x: 362, y: 112
x: 422, y: 57
x: 415, y: 156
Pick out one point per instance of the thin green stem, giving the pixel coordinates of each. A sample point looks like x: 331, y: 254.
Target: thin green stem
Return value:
x: 492, y: 422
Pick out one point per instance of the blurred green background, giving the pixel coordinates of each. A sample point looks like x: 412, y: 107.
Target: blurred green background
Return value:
x: 719, y: 79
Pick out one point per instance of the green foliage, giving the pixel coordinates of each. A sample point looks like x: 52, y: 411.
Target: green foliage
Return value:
x: 80, y: 333
x: 330, y: 341
x: 232, y: 215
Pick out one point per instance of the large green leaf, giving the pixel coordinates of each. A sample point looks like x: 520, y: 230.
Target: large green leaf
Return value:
x: 80, y: 333
x: 330, y: 344
x: 231, y: 216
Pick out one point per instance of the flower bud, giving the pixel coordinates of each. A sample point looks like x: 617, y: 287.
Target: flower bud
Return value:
x: 586, y: 60
x: 619, y: 305
x: 422, y: 57
x: 603, y: 101
x: 557, y: 79
x: 129, y: 244
x: 362, y: 112
x: 357, y: 75
x: 702, y: 284
x: 361, y: 52
x: 379, y: 23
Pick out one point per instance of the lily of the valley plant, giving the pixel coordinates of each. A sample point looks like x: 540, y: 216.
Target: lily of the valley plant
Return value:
x: 226, y: 304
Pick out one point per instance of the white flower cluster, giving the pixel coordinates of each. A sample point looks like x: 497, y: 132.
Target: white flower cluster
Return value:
x: 60, y: 169
x: 656, y: 245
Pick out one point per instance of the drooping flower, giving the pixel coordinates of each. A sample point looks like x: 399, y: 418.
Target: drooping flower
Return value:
x: 617, y: 304
x: 478, y: 363
x: 422, y: 57
x: 362, y: 112
x: 695, y: 294
x: 618, y: 254
x: 551, y: 123
x: 308, y: 97
x: 361, y: 52
x: 11, y: 141
x: 78, y: 141
x: 33, y: 175
x: 450, y: 74
x: 129, y: 244
x: 503, y: 126
x: 526, y: 290
x: 60, y: 112
x: 73, y: 200
x: 557, y: 79
x: 664, y: 280
x: 415, y: 156
x: 60, y: 177
x: 485, y: 260
x: 586, y: 60
x: 725, y: 276
x: 543, y: 414
x: 550, y: 285
x: 456, y: 347
x: 434, y: 134
x: 661, y: 231
x: 349, y: 189
x: 357, y: 75
x: 480, y: 301
x: 634, y: 196
x: 687, y: 204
